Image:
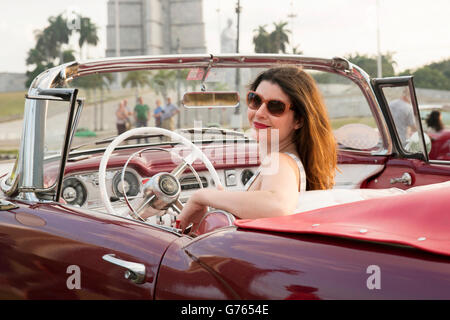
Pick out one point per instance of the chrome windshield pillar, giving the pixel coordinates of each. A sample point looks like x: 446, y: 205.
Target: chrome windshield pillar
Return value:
x: 28, y: 172
x: 32, y: 144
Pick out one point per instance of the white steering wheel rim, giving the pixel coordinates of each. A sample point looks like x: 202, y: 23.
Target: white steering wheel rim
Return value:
x: 196, y: 152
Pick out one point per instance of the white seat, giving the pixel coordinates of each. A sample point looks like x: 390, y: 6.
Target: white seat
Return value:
x: 316, y: 199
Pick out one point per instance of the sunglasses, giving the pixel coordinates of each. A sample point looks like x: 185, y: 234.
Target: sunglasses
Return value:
x: 275, y: 107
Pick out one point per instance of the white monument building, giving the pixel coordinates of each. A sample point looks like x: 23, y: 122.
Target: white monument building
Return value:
x: 156, y: 27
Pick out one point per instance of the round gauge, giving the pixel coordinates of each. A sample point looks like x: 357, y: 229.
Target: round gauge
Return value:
x: 246, y: 175
x: 131, y: 184
x: 74, y: 192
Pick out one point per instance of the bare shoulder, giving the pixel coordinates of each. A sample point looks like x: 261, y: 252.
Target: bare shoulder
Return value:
x: 278, y: 162
x: 280, y: 173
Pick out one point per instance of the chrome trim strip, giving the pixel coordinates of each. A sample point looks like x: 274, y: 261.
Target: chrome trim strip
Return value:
x: 440, y: 162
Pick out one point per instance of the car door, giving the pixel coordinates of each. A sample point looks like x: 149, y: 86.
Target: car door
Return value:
x: 409, y: 164
x: 54, y: 251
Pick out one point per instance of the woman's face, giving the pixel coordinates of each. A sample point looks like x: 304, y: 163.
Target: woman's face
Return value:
x: 264, y: 123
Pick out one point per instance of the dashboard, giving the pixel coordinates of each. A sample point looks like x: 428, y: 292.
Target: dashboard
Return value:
x: 81, y: 189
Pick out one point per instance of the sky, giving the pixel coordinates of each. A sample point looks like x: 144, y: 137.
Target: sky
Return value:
x: 417, y: 32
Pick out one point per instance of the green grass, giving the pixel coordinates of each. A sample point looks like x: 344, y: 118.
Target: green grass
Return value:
x: 11, y: 104
x: 8, y: 151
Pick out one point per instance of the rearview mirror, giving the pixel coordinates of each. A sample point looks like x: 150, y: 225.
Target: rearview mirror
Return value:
x: 211, y: 99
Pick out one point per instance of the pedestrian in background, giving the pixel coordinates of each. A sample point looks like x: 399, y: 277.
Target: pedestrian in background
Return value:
x: 168, y: 114
x: 157, y: 113
x: 141, y: 114
x: 122, y: 117
x: 402, y: 112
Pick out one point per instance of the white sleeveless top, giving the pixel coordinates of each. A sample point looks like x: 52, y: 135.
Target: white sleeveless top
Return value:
x: 301, y: 170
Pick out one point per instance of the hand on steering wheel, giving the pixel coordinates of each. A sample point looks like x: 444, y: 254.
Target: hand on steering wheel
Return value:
x: 163, y: 189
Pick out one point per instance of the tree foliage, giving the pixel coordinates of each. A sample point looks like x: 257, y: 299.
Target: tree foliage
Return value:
x: 51, y: 44
x: 88, y: 33
x: 433, y: 76
x: 137, y: 79
x: 100, y: 81
x: 162, y: 81
x: 261, y: 40
x: 369, y: 63
x: 273, y: 42
x: 279, y: 37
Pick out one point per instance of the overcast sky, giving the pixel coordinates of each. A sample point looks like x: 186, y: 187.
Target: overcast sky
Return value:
x: 416, y: 31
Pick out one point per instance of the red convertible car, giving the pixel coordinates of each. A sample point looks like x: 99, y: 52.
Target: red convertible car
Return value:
x: 70, y: 208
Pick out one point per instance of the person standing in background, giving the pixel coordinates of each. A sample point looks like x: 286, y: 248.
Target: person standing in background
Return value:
x: 141, y: 114
x: 402, y: 112
x: 122, y: 117
x: 157, y: 113
x: 167, y: 116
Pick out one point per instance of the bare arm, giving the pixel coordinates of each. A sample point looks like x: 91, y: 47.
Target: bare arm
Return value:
x: 120, y: 114
x: 278, y: 195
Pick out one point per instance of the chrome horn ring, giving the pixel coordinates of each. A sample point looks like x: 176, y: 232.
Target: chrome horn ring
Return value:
x: 167, y: 199
x: 187, y: 161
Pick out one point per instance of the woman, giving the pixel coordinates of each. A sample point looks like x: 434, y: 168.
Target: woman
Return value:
x: 283, y: 102
x: 434, y: 122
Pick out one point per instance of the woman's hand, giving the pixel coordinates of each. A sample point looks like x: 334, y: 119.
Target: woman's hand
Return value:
x: 192, y: 212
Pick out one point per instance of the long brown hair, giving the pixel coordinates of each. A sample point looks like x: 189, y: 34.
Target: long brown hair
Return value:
x: 434, y: 121
x: 315, y: 141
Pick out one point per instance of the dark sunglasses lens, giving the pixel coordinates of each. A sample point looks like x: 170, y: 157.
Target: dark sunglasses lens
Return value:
x: 276, y: 107
x: 254, y: 101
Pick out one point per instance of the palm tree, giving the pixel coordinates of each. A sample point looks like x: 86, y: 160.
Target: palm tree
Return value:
x: 49, y: 50
x: 88, y: 33
x: 137, y: 79
x: 296, y: 50
x: 92, y: 83
x: 49, y: 42
x: 35, y: 57
x: 273, y: 42
x: 102, y: 82
x: 48, y: 47
x: 57, y: 34
x: 182, y: 75
x: 67, y: 56
x: 279, y: 37
x: 162, y: 81
x: 261, y: 40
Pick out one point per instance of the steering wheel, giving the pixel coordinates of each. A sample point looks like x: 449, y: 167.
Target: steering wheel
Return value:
x: 163, y: 189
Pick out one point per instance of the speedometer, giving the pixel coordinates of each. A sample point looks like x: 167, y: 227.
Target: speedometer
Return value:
x: 74, y: 192
x: 131, y: 184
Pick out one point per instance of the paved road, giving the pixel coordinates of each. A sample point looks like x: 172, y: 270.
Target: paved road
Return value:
x: 6, y: 166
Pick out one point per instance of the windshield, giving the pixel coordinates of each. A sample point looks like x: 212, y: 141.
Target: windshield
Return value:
x: 117, y: 102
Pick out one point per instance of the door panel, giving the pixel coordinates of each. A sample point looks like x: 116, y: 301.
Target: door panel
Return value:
x: 356, y: 169
x: 39, y: 244
x: 421, y: 173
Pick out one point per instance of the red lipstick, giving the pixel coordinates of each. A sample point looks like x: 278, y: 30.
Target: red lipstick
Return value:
x: 259, y: 125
